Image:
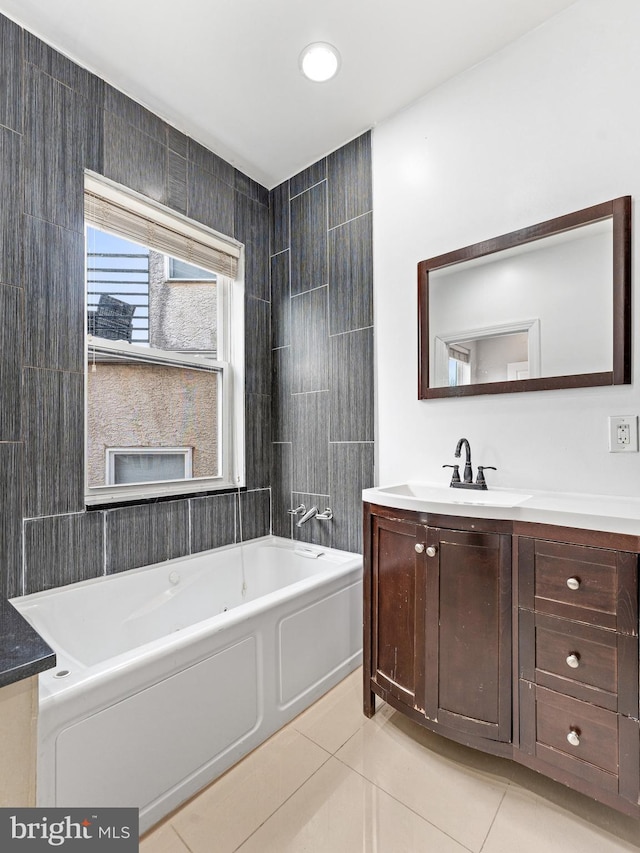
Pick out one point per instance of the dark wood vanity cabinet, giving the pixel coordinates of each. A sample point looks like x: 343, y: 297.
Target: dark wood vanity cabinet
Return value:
x: 518, y: 639
x: 397, y: 584
x: 438, y: 624
x: 578, y: 665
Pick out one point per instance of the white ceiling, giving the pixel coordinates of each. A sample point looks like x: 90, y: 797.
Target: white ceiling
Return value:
x: 226, y: 71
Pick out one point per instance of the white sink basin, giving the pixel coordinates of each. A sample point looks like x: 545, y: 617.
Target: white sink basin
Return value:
x: 430, y: 493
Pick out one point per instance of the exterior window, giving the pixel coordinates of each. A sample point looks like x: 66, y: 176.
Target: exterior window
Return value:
x: 147, y: 464
x: 182, y: 271
x: 164, y: 352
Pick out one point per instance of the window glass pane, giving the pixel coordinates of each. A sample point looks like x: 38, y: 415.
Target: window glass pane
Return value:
x: 130, y: 297
x: 189, y: 272
x: 136, y: 404
x: 147, y: 467
x: 117, y: 288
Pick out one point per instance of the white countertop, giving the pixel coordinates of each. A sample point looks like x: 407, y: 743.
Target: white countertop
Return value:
x: 615, y: 514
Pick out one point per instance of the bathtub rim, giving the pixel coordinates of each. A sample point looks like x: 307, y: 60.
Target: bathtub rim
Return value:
x: 81, y: 676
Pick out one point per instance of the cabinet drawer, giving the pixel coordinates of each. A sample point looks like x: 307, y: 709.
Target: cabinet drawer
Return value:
x: 577, y: 730
x: 580, y: 653
x: 576, y: 581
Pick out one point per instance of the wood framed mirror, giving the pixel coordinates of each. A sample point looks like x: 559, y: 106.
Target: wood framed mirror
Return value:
x: 548, y: 306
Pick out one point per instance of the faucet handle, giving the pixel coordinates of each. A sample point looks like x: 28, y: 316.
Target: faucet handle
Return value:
x: 455, y: 477
x: 480, y: 480
x: 298, y: 510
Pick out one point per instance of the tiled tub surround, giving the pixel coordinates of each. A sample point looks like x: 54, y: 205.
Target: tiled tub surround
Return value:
x: 175, y: 671
x: 308, y: 422
x: 56, y: 120
x: 68, y: 548
x: 322, y: 340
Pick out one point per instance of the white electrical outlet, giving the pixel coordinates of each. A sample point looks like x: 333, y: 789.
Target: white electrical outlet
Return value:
x: 623, y: 434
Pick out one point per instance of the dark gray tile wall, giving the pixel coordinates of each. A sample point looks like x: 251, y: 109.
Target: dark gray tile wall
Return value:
x: 63, y: 549
x: 10, y: 362
x: 53, y: 436
x: 151, y: 533
x: 280, y: 300
x: 11, y: 518
x: 11, y: 39
x: 213, y: 521
x: 56, y: 120
x: 281, y: 489
x: 10, y: 208
x: 308, y: 218
x: 310, y: 341
x: 322, y: 339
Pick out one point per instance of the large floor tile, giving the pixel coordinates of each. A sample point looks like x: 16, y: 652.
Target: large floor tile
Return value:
x: 458, y: 790
x: 600, y: 816
x: 339, y: 811
x: 229, y: 810
x: 163, y: 840
x: 529, y: 824
x: 336, y: 717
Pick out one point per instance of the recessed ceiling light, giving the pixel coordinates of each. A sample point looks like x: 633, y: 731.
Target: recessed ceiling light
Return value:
x: 319, y: 61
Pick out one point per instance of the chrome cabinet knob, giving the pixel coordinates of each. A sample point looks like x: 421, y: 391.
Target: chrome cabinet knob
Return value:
x: 573, y: 583
x: 431, y: 551
x: 573, y: 660
x: 419, y: 548
x: 573, y: 738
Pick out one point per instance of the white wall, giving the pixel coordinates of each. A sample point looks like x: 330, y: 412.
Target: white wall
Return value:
x: 547, y: 126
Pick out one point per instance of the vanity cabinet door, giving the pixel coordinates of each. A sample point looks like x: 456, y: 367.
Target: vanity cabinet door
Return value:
x: 397, y: 608
x: 468, y: 632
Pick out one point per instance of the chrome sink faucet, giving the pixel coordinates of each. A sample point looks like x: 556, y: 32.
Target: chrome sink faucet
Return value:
x: 467, y: 476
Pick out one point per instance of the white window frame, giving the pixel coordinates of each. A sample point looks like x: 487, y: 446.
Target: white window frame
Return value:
x: 112, y: 452
x: 229, y: 366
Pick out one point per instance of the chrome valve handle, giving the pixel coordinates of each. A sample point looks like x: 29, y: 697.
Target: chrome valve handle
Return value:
x: 327, y: 515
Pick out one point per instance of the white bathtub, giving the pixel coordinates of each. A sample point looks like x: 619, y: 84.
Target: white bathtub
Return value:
x: 168, y: 674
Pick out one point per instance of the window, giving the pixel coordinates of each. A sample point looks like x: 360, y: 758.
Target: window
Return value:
x: 182, y: 271
x: 164, y: 410
x: 147, y: 464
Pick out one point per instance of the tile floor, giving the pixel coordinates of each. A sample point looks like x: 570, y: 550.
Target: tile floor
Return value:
x: 334, y: 782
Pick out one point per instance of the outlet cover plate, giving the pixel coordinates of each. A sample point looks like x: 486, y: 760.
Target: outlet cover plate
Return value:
x: 623, y: 434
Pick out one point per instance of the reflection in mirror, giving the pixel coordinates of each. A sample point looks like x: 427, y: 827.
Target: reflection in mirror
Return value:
x: 545, y: 307
x: 494, y: 354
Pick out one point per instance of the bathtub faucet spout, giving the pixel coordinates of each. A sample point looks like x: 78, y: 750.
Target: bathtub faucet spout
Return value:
x: 308, y: 514
x: 327, y: 515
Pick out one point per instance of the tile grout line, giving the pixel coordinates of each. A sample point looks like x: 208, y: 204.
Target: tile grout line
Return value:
x: 404, y: 805
x: 190, y: 849
x: 495, y: 816
x: 286, y: 800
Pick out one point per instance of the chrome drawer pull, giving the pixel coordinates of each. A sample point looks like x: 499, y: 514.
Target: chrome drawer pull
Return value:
x: 419, y: 548
x: 573, y: 738
x: 573, y: 660
x: 573, y: 583
x: 431, y: 551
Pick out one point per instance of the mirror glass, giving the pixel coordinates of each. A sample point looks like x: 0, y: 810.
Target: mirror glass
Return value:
x: 532, y: 309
